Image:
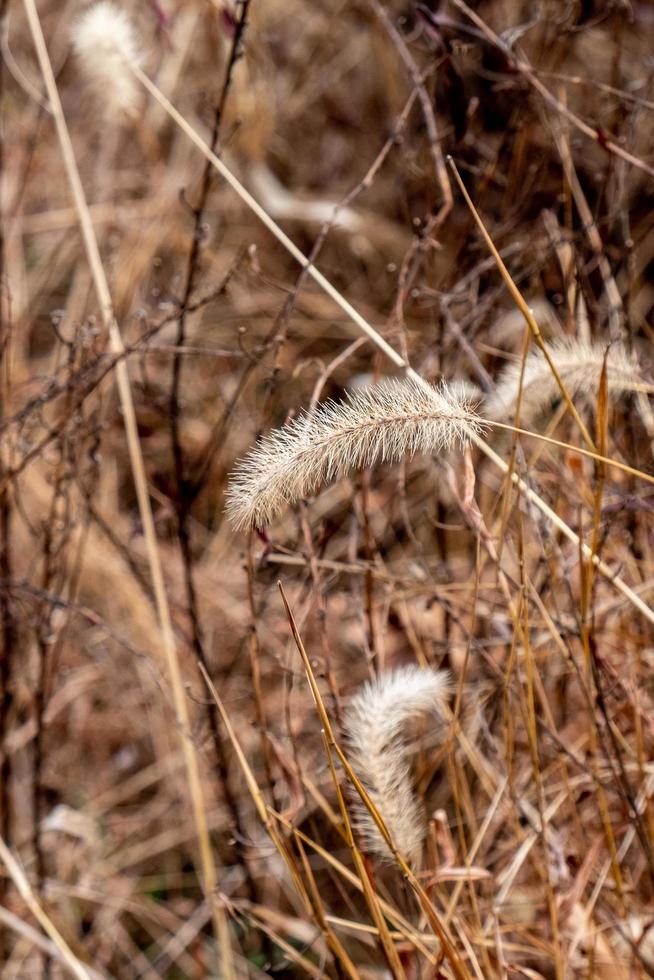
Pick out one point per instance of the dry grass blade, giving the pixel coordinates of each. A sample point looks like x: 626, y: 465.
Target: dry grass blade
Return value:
x: 37, y: 939
x: 384, y: 422
x: 576, y: 450
x: 523, y: 307
x: 567, y: 532
x: 340, y: 954
x: 440, y: 930
x: 587, y: 627
x: 403, y: 927
x: 470, y: 857
x: 255, y: 792
x: 372, y: 900
x: 19, y: 879
x: 140, y: 481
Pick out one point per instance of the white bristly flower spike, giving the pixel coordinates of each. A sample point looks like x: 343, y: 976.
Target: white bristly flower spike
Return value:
x: 375, y: 726
x: 104, y: 43
x: 579, y: 365
x: 384, y: 423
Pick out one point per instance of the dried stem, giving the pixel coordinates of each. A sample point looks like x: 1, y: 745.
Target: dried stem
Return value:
x: 140, y: 481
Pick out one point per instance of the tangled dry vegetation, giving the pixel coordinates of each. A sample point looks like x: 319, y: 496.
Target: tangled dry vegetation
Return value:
x: 430, y: 753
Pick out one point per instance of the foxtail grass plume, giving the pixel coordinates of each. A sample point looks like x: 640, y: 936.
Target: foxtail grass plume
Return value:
x: 104, y: 43
x: 375, y: 724
x: 579, y: 365
x: 384, y: 422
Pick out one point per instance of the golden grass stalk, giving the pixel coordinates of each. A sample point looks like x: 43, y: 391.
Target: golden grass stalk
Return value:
x: 369, y: 892
x: 340, y: 953
x: 576, y: 450
x: 384, y: 422
x: 375, y: 724
x: 140, y: 482
x: 19, y: 879
x: 403, y: 928
x: 518, y: 299
x: 255, y: 792
x: 36, y: 939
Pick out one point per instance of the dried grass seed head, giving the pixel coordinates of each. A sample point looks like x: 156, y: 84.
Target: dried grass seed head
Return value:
x: 382, y: 423
x: 375, y: 725
x: 579, y: 365
x: 105, y: 43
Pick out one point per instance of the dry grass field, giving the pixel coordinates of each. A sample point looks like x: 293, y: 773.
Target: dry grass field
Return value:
x: 226, y: 745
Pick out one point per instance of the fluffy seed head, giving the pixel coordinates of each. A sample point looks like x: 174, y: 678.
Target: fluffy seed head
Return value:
x: 104, y: 43
x: 579, y: 365
x: 384, y: 422
x: 375, y: 724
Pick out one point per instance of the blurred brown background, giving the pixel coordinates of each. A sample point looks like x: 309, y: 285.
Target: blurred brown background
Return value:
x: 546, y: 109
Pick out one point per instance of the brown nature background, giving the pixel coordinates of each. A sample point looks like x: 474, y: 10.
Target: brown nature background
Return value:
x: 540, y: 852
